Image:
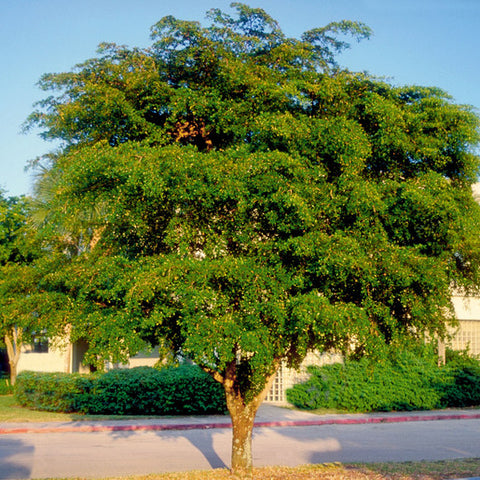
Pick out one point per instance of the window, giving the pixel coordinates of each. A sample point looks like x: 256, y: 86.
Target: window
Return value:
x: 40, y: 343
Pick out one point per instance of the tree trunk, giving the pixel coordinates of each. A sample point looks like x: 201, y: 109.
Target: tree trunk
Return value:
x: 243, y: 417
x: 13, y: 343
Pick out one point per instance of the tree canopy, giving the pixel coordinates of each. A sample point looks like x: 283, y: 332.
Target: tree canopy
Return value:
x: 235, y: 192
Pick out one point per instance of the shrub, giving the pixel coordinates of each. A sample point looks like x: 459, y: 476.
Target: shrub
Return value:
x: 461, y: 382
x: 137, y: 391
x: 53, y: 392
x: 407, y: 380
x: 147, y: 391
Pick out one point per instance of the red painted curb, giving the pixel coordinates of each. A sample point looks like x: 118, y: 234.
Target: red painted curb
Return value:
x: 205, y: 426
x: 113, y: 428
x: 365, y: 420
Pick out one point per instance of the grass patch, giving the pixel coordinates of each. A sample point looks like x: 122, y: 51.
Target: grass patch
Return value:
x: 11, y: 411
x: 442, y: 470
x: 445, y: 469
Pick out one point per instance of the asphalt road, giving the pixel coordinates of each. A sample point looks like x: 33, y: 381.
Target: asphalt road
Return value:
x: 115, y: 453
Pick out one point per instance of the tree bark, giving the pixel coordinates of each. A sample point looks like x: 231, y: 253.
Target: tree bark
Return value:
x: 13, y: 343
x: 243, y: 418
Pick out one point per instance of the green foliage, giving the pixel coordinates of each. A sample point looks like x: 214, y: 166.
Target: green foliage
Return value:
x: 407, y: 380
x: 53, y: 392
x: 5, y: 386
x: 461, y: 385
x: 184, y: 390
x: 13, y: 247
x: 17, y: 251
x: 146, y: 391
x: 18, y: 279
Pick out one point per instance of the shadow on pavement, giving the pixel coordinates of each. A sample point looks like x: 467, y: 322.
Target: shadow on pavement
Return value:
x: 201, y: 439
x: 12, y: 452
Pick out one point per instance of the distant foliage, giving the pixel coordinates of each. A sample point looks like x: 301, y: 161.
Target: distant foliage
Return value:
x: 408, y: 380
x: 5, y: 386
x: 136, y: 391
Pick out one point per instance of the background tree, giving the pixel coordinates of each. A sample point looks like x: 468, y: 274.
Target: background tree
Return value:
x: 238, y: 195
x: 17, y: 252
x: 30, y: 305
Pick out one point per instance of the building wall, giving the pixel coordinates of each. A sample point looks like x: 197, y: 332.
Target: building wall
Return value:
x: 69, y: 358
x: 56, y: 360
x: 144, y: 359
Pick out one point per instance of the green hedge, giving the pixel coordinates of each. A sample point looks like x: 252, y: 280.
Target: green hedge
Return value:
x: 137, y: 391
x: 409, y: 380
x: 461, y: 380
x: 53, y: 392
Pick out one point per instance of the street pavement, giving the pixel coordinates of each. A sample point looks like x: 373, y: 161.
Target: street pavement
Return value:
x: 281, y: 437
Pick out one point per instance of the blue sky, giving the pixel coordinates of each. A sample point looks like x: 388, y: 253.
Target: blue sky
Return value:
x: 421, y: 42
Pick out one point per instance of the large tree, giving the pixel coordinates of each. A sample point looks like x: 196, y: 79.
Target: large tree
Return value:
x: 235, y: 193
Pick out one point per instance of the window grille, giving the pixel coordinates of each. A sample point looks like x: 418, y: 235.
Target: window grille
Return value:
x: 287, y: 377
x: 467, y: 335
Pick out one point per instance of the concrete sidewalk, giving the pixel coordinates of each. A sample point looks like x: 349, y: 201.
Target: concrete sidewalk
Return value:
x: 267, y: 416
